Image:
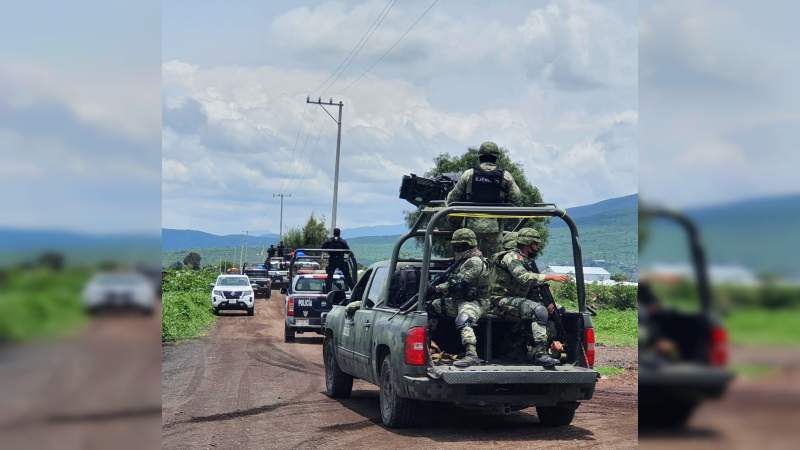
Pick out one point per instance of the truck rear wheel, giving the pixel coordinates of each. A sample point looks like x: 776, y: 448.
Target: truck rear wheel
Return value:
x: 337, y: 383
x: 288, y: 334
x: 396, y: 411
x: 556, y: 416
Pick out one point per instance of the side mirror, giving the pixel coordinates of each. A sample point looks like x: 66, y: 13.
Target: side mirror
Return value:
x: 211, y: 285
x: 284, y: 291
x: 336, y: 297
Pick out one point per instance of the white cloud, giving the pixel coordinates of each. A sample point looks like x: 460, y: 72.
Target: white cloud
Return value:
x: 235, y: 128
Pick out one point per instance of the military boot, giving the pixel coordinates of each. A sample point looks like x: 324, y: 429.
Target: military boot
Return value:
x: 470, y: 357
x: 541, y: 358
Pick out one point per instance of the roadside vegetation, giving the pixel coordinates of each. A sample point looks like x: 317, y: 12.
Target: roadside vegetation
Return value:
x: 766, y: 314
x: 616, y: 322
x: 41, y: 301
x: 186, y: 308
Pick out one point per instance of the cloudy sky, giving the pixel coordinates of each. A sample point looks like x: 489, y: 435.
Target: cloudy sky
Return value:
x: 80, y: 122
x: 554, y: 82
x: 718, y: 101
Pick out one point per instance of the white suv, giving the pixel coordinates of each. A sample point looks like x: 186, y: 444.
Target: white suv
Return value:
x: 233, y: 292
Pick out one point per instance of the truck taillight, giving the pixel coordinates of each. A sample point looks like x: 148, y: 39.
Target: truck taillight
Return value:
x: 415, y: 347
x: 718, y: 353
x: 289, y: 307
x: 588, y: 342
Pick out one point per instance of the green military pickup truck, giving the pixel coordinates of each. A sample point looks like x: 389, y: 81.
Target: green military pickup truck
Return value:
x: 387, y: 340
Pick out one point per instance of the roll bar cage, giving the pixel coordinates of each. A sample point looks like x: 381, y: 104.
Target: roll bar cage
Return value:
x: 698, y: 254
x: 439, y: 210
x: 320, y: 254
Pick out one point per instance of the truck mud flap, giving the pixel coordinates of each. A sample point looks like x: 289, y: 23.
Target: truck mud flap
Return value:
x: 497, y: 374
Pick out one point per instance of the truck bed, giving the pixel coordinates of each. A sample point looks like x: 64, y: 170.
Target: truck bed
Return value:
x: 514, y: 374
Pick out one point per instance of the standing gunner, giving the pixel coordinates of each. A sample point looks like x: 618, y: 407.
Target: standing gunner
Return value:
x: 486, y: 183
x: 511, y: 280
x: 464, y: 292
x: 336, y: 260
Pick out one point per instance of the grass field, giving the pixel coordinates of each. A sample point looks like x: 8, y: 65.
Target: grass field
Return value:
x: 616, y: 327
x: 609, y: 371
x: 764, y: 326
x: 41, y: 302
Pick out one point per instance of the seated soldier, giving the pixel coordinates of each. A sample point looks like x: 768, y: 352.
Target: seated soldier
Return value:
x: 511, y: 280
x: 464, y: 292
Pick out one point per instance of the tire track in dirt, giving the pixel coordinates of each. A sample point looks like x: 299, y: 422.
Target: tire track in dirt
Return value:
x: 276, y: 400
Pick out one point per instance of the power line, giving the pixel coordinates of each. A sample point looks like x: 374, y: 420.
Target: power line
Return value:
x: 339, y: 70
x: 389, y: 50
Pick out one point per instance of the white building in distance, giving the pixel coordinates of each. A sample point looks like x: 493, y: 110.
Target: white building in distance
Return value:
x: 590, y: 274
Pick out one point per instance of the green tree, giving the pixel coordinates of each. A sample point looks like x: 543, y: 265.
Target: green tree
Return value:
x: 312, y: 235
x: 293, y: 238
x: 192, y: 259
x: 618, y: 277
x: 314, y: 232
x: 52, y: 260
x: 447, y: 163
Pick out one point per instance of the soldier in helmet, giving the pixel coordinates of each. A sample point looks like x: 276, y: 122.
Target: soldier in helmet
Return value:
x: 486, y: 183
x: 511, y: 279
x: 464, y: 295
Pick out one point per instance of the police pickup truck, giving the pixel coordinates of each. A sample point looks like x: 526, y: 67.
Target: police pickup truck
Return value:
x: 259, y: 279
x: 306, y: 299
x: 387, y: 340
x: 278, y: 272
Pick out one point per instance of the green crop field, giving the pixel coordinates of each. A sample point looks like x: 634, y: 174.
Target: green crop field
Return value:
x: 186, y: 307
x: 41, y: 302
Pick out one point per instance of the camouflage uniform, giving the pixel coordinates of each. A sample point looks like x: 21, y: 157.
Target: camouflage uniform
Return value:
x: 465, y: 293
x: 488, y: 231
x: 511, y: 279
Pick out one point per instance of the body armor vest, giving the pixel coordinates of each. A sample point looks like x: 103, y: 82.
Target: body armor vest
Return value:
x: 486, y: 186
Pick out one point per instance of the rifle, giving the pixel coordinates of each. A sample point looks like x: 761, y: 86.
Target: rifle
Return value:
x: 540, y: 292
x: 441, y: 278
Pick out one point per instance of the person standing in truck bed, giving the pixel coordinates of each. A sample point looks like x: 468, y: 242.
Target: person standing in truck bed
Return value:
x: 486, y: 183
x: 336, y: 260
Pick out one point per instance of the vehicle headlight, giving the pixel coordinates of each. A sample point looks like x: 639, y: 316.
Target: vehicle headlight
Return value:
x: 218, y: 293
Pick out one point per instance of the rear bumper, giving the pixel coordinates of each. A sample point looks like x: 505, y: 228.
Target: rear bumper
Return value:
x: 314, y: 324
x: 488, y: 386
x: 682, y: 381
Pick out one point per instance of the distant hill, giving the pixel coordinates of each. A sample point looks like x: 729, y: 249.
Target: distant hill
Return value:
x: 608, y: 234
x: 172, y: 239
x: 760, y: 234
x: 24, y: 245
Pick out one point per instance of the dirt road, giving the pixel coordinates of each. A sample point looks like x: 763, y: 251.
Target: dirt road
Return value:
x: 96, y: 389
x: 243, y: 387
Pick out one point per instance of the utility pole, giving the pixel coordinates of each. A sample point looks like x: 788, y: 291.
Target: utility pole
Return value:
x: 280, y: 236
x: 242, y: 254
x: 338, y: 146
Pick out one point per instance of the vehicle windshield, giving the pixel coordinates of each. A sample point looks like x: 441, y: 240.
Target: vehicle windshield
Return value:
x: 233, y: 281
x: 316, y: 284
x: 255, y: 267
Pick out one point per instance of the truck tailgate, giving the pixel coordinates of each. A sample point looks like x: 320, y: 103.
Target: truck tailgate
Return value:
x: 515, y: 374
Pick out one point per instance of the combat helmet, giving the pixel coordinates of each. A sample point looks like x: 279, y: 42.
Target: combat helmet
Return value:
x: 489, y: 151
x: 510, y: 240
x: 464, y: 236
x: 528, y: 236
